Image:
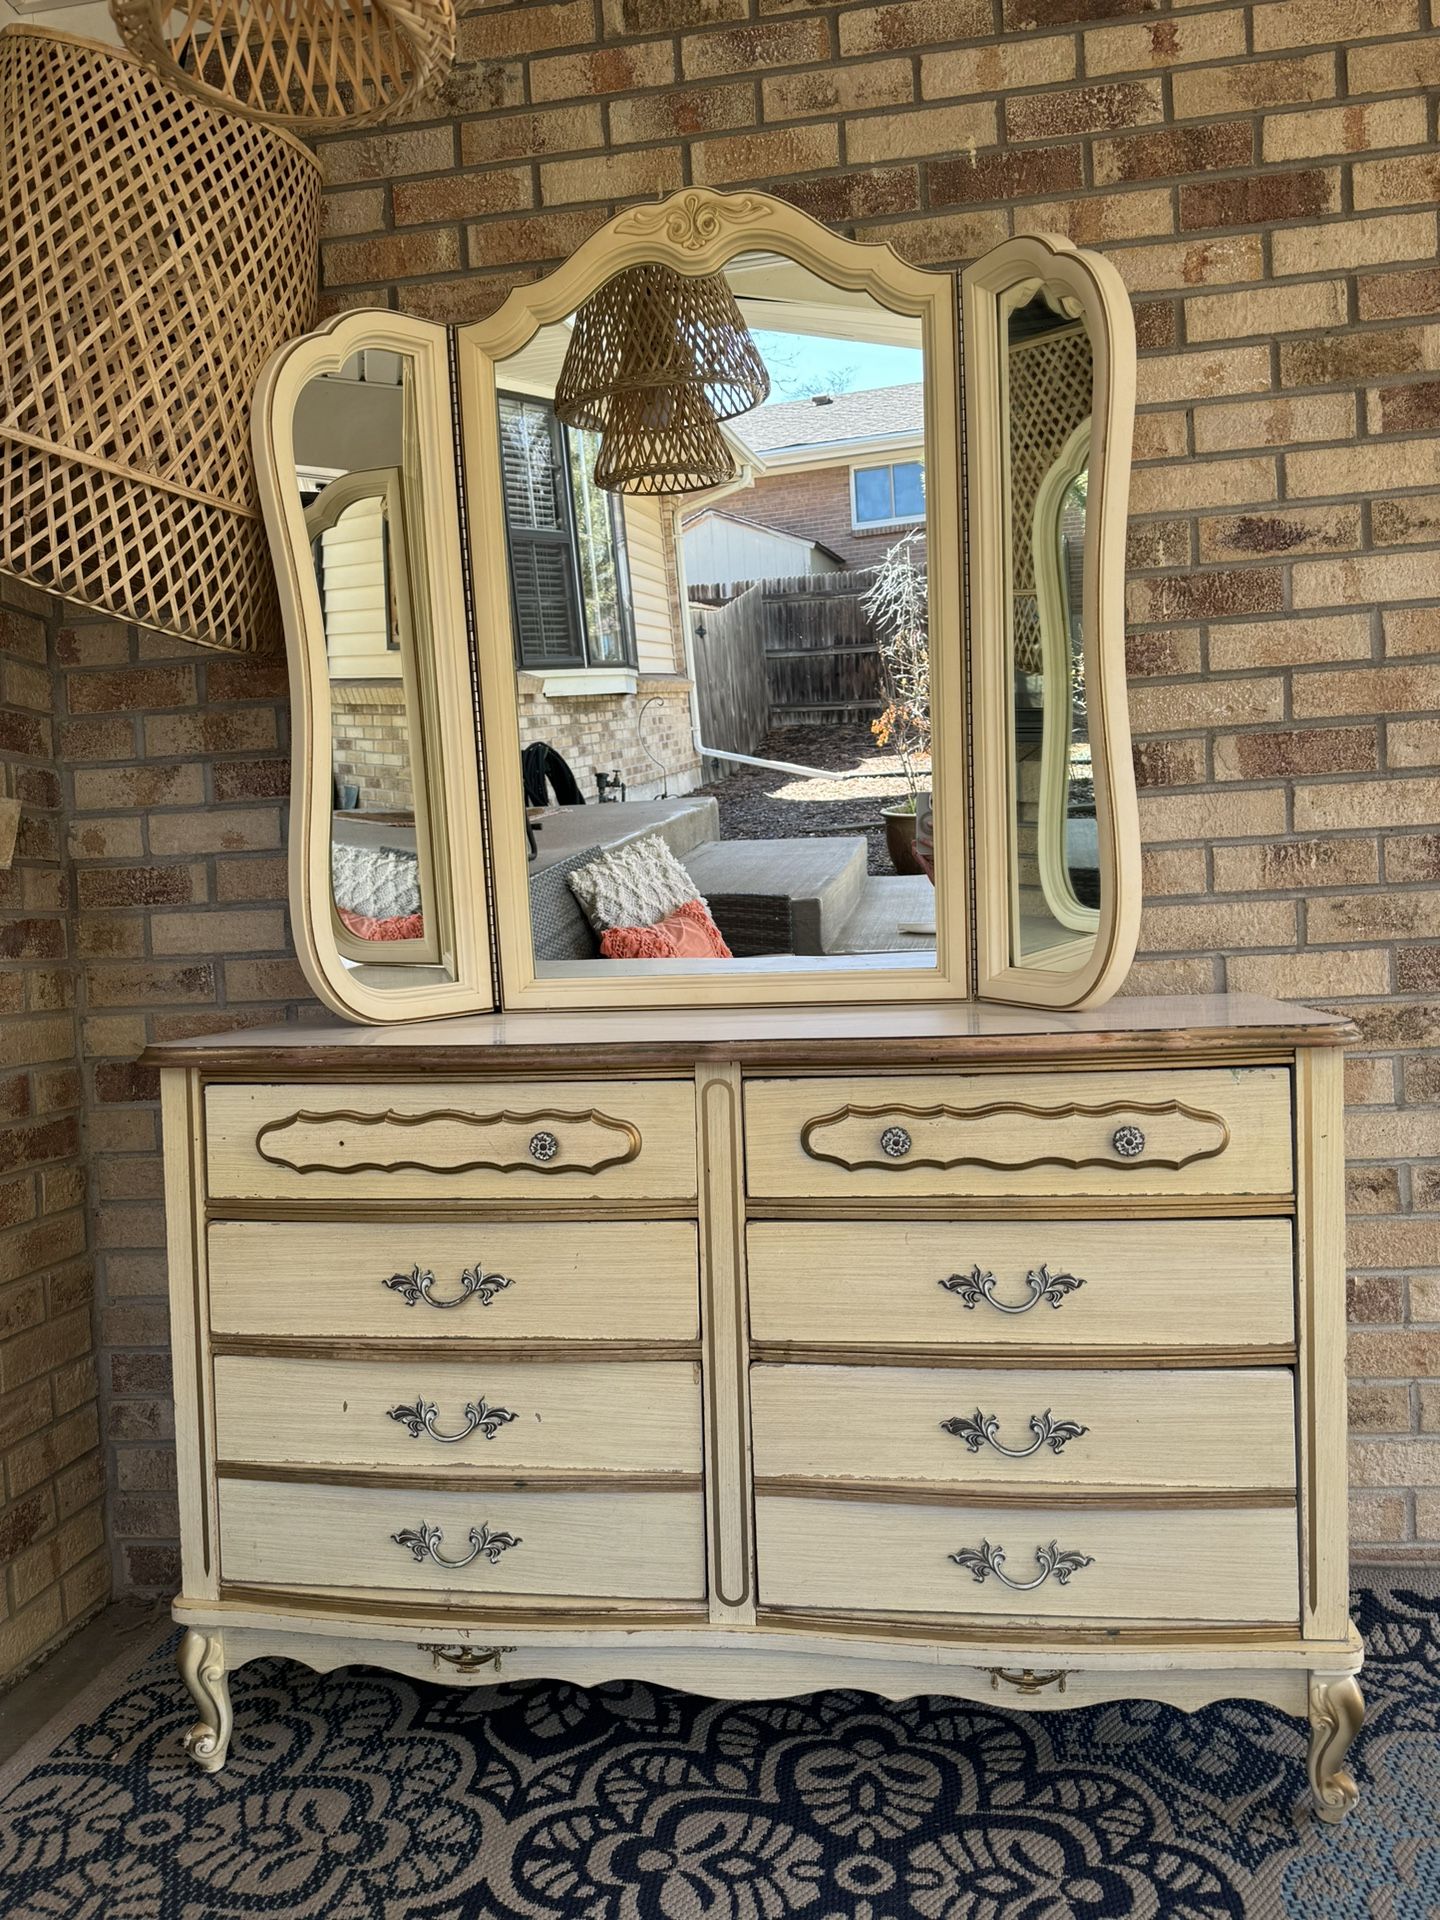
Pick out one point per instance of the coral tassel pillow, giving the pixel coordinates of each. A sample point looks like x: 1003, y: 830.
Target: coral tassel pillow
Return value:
x: 688, y: 933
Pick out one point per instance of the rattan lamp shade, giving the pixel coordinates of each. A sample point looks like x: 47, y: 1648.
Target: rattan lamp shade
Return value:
x: 153, y: 253
x: 649, y: 328
x: 664, y: 440
x: 310, y: 65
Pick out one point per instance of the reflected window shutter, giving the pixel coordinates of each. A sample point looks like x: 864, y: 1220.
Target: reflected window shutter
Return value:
x: 537, y: 529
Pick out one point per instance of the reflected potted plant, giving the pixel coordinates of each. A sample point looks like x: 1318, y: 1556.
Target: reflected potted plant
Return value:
x: 898, y: 608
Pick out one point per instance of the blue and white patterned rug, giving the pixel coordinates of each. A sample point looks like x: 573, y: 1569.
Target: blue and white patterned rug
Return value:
x: 362, y: 1796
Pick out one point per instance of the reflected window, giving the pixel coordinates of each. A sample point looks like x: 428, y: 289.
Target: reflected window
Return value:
x: 569, y: 577
x: 888, y: 496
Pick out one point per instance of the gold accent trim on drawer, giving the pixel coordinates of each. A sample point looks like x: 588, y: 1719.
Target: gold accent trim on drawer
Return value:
x: 308, y: 1474
x: 262, y: 1346
x: 543, y: 1152
x: 917, y: 1493
x: 1125, y: 1112
x: 1146, y: 1358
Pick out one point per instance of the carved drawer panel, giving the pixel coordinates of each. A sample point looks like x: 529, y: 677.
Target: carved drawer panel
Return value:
x: 1066, y: 1285
x: 572, y: 1281
x: 1197, y: 1132
x: 967, y: 1427
x: 373, y: 1540
x: 447, y: 1417
x: 1212, y: 1563
x: 517, y: 1140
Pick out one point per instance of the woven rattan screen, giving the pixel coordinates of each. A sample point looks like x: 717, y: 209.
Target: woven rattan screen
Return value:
x: 153, y: 252
x: 306, y: 64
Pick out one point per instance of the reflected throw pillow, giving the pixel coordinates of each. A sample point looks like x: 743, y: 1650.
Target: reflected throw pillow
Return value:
x: 688, y: 933
x: 632, y: 885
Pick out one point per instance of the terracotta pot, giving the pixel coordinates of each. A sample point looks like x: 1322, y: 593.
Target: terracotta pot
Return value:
x: 900, y: 839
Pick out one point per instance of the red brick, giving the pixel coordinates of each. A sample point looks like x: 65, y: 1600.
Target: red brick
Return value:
x: 1258, y: 198
x: 997, y: 178
x: 1049, y: 116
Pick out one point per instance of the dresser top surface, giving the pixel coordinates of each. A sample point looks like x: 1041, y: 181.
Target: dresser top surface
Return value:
x: 932, y: 1035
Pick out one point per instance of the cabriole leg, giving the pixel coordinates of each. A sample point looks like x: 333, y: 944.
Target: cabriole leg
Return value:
x: 1337, y: 1713
x: 201, y: 1660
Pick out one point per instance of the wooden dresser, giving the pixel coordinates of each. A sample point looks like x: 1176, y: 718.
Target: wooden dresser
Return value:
x: 951, y: 1350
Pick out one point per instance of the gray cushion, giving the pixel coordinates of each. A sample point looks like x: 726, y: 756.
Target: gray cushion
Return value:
x: 558, y: 928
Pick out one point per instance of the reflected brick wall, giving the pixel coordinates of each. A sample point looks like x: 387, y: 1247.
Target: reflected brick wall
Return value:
x: 1264, y: 177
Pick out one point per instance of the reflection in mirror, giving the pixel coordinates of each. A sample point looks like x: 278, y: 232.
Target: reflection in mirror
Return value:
x: 358, y: 478
x: 723, y: 695
x: 1048, y: 379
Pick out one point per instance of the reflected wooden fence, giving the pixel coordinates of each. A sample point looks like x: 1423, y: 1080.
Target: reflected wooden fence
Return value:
x: 782, y: 653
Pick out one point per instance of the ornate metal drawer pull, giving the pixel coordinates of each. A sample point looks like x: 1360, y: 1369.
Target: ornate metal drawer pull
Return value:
x: 474, y: 1285
x: 985, y: 1559
x: 982, y: 1429
x: 1027, y: 1680
x: 466, y: 1659
x: 543, y: 1147
x: 895, y: 1143
x: 1128, y: 1142
x: 1043, y: 1285
x: 480, y: 1417
x: 424, y: 1541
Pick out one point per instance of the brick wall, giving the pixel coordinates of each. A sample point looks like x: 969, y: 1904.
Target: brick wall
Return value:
x: 175, y: 765
x: 54, y: 1569
x: 1263, y: 177
x: 815, y: 504
x: 644, y: 736
x: 1269, y: 193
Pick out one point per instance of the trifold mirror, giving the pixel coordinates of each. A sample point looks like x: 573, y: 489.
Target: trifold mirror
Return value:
x: 772, y: 708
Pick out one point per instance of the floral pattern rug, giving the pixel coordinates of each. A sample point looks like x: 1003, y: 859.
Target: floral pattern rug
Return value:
x: 362, y: 1796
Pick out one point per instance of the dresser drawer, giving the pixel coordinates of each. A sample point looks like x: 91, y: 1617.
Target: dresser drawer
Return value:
x: 1066, y: 1285
x: 1083, y: 1428
x: 1230, y: 1564
x: 892, y: 1137
x: 574, y: 1281
x: 590, y: 1140
x: 460, y: 1417
x: 624, y: 1546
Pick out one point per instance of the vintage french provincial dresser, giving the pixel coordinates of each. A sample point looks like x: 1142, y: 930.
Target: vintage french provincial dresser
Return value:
x: 884, y: 1305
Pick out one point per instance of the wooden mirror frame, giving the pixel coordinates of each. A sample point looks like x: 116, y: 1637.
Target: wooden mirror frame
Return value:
x: 459, y: 980
x: 1083, y: 972
x: 697, y: 232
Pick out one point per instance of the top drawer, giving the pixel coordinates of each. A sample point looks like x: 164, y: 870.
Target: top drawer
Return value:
x: 586, y: 1140
x: 1218, y: 1131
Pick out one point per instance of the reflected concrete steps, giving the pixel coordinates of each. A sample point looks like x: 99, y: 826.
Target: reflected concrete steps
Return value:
x: 781, y: 896
x: 887, y: 903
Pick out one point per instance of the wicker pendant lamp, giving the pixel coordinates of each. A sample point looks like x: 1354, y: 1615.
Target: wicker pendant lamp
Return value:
x: 662, y: 440
x: 153, y: 254
x: 310, y: 65
x: 657, y: 359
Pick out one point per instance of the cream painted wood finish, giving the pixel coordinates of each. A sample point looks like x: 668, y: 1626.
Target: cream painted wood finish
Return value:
x: 475, y: 802
x: 581, y: 1283
x: 625, y: 1546
x: 463, y: 1418
x: 746, y: 1380
x: 1136, y: 1430
x: 560, y: 1141
x: 1236, y: 1564
x: 877, y: 1138
x: 1152, y: 1284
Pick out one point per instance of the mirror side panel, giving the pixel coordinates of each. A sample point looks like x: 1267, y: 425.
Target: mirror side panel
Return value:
x: 354, y: 446
x: 1049, y: 396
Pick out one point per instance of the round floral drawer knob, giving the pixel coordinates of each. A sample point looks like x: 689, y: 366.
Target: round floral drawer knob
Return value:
x: 1128, y: 1142
x: 543, y: 1147
x: 895, y: 1143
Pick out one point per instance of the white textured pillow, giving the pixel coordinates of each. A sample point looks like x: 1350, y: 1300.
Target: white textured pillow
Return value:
x: 381, y: 883
x: 632, y: 886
